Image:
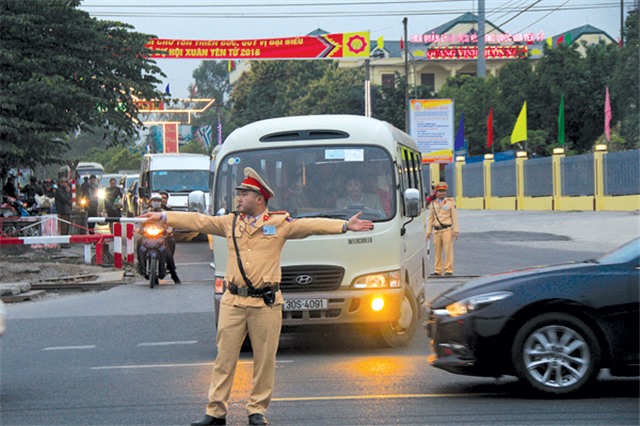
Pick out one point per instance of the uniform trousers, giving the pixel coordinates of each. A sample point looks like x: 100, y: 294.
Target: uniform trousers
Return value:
x: 263, y: 325
x: 443, y: 239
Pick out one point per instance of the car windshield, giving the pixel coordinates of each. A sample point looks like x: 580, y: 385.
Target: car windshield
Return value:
x: 317, y: 181
x: 180, y: 180
x: 623, y: 254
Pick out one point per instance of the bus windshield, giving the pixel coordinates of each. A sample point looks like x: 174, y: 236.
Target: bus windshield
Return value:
x: 315, y: 181
x: 180, y: 180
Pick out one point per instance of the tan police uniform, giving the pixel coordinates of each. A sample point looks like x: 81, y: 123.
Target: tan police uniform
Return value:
x: 260, y: 242
x: 443, y: 231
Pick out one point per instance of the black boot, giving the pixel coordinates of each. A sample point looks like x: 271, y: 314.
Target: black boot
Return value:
x: 210, y: 420
x: 257, y: 419
x: 174, y: 277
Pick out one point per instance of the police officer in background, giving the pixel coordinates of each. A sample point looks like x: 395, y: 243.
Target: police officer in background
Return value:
x: 443, y: 222
x: 252, y: 301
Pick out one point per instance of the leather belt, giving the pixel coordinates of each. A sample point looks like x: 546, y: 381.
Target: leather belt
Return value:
x: 248, y: 292
x: 440, y: 228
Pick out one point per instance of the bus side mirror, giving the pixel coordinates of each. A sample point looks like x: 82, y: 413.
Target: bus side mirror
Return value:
x: 411, y: 202
x: 197, y: 202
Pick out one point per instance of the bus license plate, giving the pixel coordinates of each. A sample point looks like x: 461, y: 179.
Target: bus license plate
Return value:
x: 305, y: 304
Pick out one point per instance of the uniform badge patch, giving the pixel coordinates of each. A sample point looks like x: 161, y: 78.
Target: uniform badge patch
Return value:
x: 269, y: 230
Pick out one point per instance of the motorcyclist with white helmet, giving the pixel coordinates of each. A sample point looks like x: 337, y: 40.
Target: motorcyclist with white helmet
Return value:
x: 156, y: 206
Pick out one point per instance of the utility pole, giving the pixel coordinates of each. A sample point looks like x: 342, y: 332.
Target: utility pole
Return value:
x: 482, y: 73
x: 406, y: 76
x: 622, y: 23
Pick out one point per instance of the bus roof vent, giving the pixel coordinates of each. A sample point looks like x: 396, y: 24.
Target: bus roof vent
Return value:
x: 300, y: 135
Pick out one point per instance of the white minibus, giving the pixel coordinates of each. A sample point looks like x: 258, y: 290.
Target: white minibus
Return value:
x: 335, y: 166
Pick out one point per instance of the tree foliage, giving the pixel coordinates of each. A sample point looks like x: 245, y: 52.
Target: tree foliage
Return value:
x: 562, y: 71
x: 63, y: 71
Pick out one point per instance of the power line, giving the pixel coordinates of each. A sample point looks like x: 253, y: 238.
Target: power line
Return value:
x: 535, y: 22
x: 346, y: 14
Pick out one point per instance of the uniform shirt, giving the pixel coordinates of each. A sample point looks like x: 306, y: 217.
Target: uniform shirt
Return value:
x: 260, y: 245
x: 445, y: 211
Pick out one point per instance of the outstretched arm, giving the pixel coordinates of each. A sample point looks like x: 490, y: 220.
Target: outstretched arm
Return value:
x: 356, y: 224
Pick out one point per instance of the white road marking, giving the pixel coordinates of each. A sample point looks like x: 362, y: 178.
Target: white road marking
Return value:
x: 184, y: 342
x: 392, y: 396
x: 68, y: 348
x: 196, y: 364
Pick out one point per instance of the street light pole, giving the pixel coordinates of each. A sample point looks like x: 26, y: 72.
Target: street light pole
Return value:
x: 406, y: 76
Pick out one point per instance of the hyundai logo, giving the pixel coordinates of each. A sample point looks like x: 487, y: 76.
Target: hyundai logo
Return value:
x: 304, y: 279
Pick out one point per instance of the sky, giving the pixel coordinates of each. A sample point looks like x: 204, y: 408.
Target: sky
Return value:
x: 251, y: 19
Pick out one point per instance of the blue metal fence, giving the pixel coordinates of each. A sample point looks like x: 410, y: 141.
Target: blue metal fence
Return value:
x: 577, y: 175
x: 538, y: 177
x: 622, y: 173
x: 472, y: 180
x: 503, y: 179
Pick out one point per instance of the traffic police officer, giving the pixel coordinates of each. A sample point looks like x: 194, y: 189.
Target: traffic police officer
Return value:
x: 257, y: 235
x: 443, y: 222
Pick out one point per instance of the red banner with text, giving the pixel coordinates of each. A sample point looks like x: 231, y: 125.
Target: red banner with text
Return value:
x: 328, y: 46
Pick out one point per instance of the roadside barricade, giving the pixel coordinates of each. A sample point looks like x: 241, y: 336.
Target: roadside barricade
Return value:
x: 118, y: 236
x: 98, y: 239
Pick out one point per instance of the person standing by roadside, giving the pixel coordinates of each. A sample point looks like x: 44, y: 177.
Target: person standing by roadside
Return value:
x: 252, y: 301
x: 9, y: 187
x: 30, y: 191
x: 443, y: 222
x: 64, y: 205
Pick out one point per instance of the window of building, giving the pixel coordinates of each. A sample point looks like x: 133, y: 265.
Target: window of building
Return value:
x: 428, y: 80
x: 389, y: 80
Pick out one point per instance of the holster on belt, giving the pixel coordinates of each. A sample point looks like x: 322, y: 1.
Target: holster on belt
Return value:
x: 267, y: 293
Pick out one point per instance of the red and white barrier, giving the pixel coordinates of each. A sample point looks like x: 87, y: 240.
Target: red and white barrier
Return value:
x: 96, y: 239
x: 118, y: 245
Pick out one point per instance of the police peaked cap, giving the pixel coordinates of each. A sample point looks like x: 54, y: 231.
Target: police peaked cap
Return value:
x: 253, y: 182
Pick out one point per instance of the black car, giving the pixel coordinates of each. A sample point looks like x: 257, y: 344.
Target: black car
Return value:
x: 554, y: 327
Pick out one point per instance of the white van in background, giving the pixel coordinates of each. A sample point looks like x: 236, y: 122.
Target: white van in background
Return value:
x: 178, y: 174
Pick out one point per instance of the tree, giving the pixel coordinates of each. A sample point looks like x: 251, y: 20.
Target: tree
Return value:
x: 277, y: 88
x: 473, y: 96
x: 63, y: 71
x: 625, y: 84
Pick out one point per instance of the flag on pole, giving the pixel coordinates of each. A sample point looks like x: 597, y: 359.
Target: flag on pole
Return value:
x: 167, y: 89
x: 560, y: 40
x: 607, y: 115
x: 519, y: 133
x: 458, y: 144
x: 401, y: 43
x: 380, y: 43
x: 205, y: 134
x: 561, y: 122
x: 194, y: 91
x: 490, y: 128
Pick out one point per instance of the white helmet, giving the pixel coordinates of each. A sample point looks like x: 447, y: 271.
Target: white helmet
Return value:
x: 155, y: 196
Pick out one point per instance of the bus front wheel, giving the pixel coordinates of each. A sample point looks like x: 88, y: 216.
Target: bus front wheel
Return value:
x: 400, y: 333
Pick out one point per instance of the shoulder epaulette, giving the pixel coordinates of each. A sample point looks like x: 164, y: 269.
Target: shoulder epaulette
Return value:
x: 278, y: 212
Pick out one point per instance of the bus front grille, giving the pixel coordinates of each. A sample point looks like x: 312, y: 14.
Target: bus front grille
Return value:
x: 307, y: 278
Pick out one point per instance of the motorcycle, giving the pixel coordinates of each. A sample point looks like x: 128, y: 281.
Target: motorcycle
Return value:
x: 12, y: 207
x: 152, y: 252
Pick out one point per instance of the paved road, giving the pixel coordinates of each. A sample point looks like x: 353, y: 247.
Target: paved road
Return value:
x: 132, y: 355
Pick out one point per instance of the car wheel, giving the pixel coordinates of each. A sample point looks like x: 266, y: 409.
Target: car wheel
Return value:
x: 400, y: 333
x: 556, y: 353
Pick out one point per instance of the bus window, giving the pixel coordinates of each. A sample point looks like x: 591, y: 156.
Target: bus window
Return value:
x: 321, y: 181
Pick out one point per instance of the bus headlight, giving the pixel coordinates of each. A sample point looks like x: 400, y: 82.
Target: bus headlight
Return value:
x: 389, y: 279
